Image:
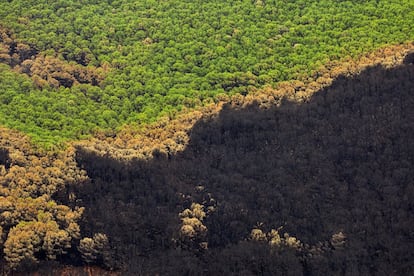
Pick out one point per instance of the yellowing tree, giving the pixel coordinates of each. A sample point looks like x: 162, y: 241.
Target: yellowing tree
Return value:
x: 96, y: 250
x: 41, y: 235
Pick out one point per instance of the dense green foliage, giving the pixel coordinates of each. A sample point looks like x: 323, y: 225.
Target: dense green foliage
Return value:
x: 51, y: 116
x: 165, y: 55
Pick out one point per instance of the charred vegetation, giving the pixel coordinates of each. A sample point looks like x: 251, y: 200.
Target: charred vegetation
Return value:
x: 336, y: 172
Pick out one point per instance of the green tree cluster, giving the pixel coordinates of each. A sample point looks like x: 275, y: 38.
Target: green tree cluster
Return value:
x: 167, y: 55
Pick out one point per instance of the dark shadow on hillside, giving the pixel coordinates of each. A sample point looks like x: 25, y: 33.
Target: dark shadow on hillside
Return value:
x: 344, y: 161
x: 409, y: 58
x: 4, y: 158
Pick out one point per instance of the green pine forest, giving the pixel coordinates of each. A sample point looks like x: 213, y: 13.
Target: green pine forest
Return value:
x: 156, y: 58
x: 215, y: 137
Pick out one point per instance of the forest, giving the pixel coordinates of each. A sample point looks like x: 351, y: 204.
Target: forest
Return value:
x: 72, y: 68
x: 206, y: 137
x: 322, y: 188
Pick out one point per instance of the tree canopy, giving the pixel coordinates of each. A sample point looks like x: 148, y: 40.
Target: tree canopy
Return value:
x: 125, y: 62
x: 207, y: 137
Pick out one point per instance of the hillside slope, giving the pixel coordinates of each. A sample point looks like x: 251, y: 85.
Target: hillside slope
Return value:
x: 95, y: 66
x: 333, y: 177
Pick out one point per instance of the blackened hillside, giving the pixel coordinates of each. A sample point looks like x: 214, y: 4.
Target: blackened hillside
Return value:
x: 342, y: 162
